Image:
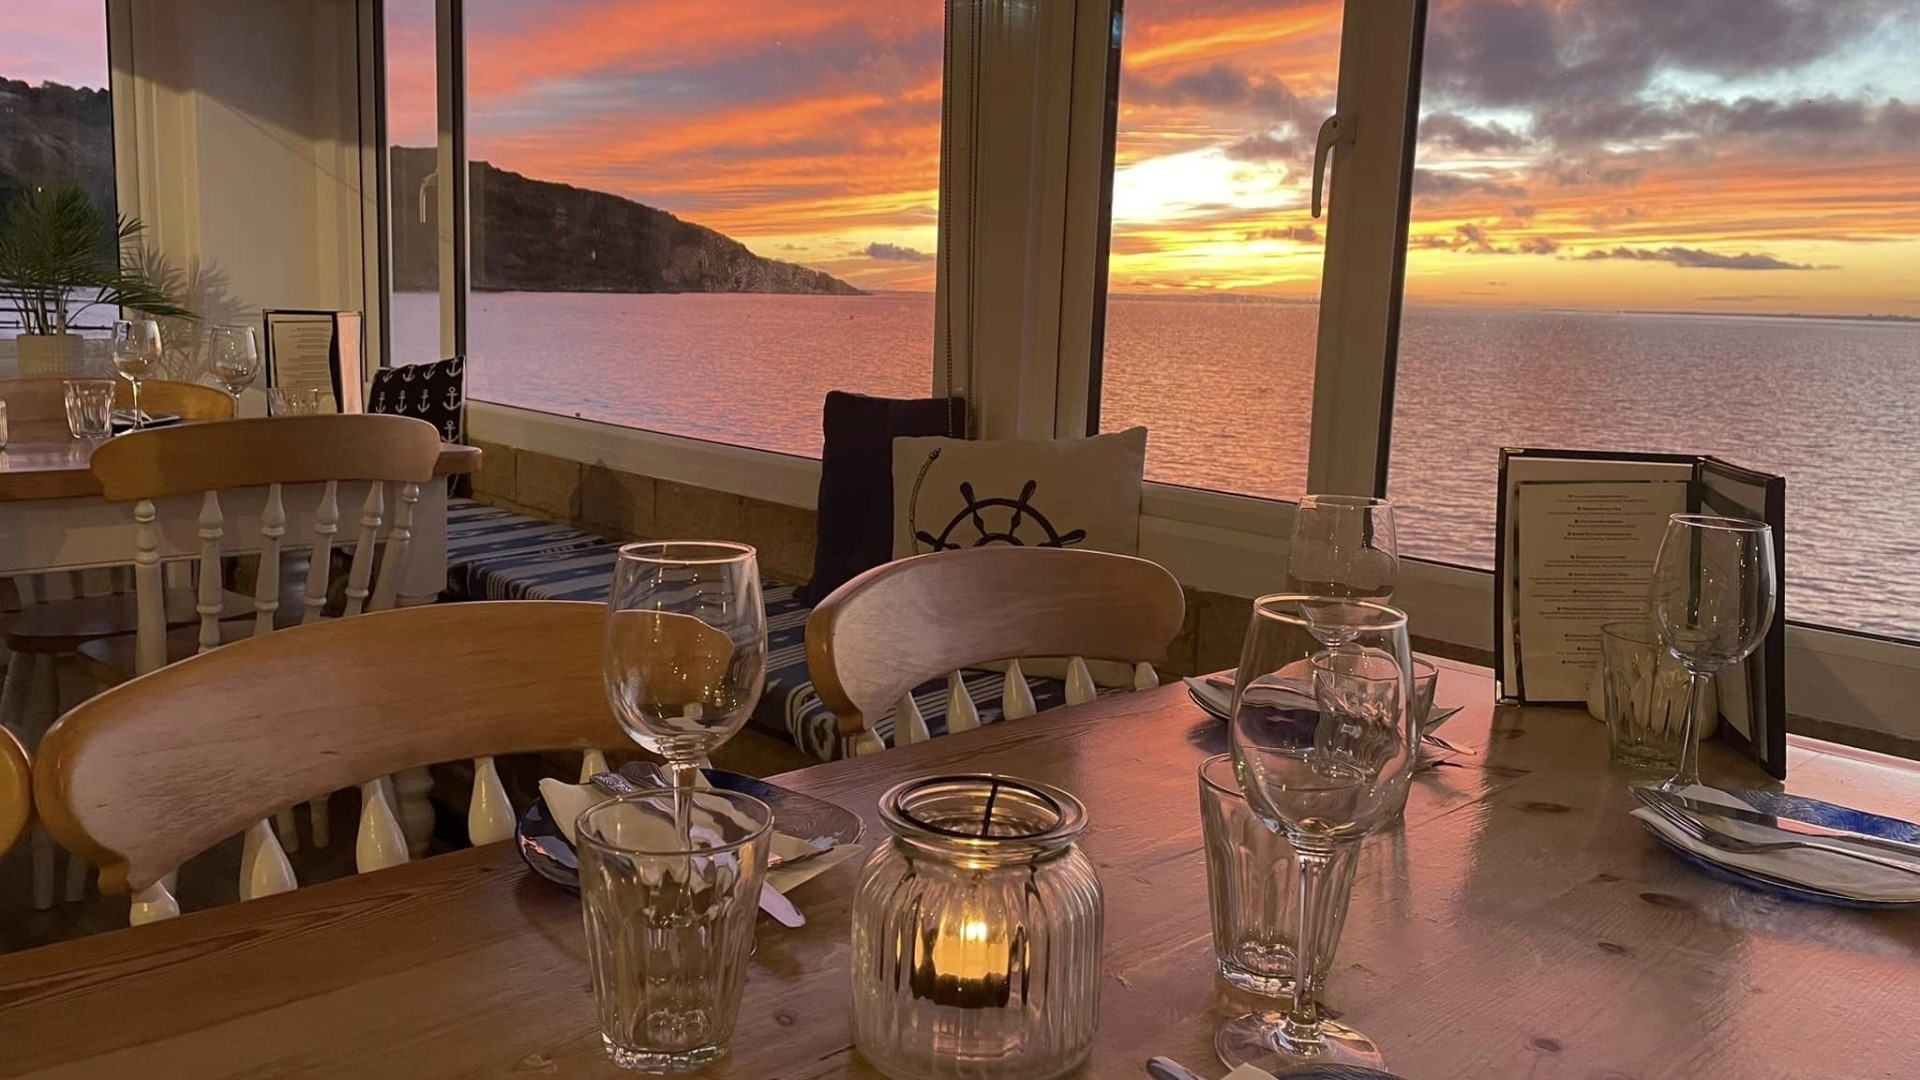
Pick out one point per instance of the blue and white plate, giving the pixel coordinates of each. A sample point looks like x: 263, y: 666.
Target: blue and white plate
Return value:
x: 1776, y: 886
x: 545, y: 850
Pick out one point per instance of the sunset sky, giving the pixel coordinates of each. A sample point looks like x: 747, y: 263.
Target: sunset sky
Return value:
x: 1743, y: 155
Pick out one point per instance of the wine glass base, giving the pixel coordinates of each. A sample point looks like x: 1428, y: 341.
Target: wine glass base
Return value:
x: 1255, y: 1039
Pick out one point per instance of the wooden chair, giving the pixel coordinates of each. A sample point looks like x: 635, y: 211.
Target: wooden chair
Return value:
x: 908, y: 622
x: 58, y: 614
x: 123, y: 778
x: 16, y: 790
x: 45, y: 399
x: 206, y: 459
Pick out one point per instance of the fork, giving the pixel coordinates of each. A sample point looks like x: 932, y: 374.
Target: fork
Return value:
x: 1714, y: 838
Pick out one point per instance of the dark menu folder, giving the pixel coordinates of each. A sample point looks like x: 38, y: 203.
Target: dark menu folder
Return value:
x: 1578, y: 533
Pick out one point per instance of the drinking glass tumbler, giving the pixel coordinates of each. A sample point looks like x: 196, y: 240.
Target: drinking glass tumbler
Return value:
x: 1644, y: 690
x: 89, y: 408
x: 293, y: 401
x: 1253, y: 890
x: 670, y: 887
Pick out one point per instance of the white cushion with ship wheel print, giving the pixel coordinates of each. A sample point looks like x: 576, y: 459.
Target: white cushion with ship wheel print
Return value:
x: 1080, y: 493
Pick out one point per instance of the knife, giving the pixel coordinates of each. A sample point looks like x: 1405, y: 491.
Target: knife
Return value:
x: 1789, y: 826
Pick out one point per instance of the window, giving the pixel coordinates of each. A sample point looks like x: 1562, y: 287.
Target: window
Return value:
x: 56, y: 115
x: 1213, y: 275
x: 700, y: 225
x: 416, y: 232
x: 1637, y: 230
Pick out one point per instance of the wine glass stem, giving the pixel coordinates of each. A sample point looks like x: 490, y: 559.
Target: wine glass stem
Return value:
x: 1688, y: 773
x: 1318, y: 885
x: 138, y: 416
x: 683, y: 773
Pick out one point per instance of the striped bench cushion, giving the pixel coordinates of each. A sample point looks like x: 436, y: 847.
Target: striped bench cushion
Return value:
x: 495, y: 554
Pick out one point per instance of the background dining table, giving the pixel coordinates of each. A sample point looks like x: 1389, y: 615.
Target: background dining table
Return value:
x: 1518, y: 925
x: 53, y: 517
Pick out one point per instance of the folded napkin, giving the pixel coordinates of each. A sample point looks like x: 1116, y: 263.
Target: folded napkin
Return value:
x: 1854, y: 879
x: 566, y: 802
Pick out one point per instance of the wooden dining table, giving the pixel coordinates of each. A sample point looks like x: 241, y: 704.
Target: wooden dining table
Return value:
x: 53, y: 516
x: 1518, y: 925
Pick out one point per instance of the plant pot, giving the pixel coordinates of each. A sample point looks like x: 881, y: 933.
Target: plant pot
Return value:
x: 50, y: 354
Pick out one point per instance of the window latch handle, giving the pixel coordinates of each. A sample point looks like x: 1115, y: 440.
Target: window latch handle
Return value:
x: 431, y: 182
x: 1335, y: 130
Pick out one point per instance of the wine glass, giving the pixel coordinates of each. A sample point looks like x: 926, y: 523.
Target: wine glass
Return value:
x: 1712, y: 602
x: 1343, y: 549
x: 136, y: 354
x: 234, y: 356
x: 1325, y: 768
x: 685, y: 654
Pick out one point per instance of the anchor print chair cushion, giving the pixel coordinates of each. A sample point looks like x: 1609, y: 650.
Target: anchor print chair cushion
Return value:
x: 1083, y: 493
x: 436, y: 393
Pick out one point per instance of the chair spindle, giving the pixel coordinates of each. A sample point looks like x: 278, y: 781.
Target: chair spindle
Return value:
x: 371, y: 513
x: 1016, y: 697
x: 380, y: 843
x: 266, y: 585
x: 489, y: 813
x: 150, y: 639
x: 1080, y: 688
x: 399, y: 538
x: 326, y: 522
x: 961, y: 715
x: 592, y: 764
x: 213, y: 527
x: 152, y: 904
x: 264, y: 869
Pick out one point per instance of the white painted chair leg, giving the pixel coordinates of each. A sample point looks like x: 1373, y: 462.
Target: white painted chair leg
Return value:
x: 592, y: 764
x: 1016, y: 697
x: 1144, y: 677
x: 43, y: 868
x: 288, y: 828
x: 76, y: 878
x: 264, y: 869
x: 868, y: 742
x: 961, y: 715
x: 414, y: 810
x: 318, y: 823
x: 909, y: 724
x: 489, y: 813
x: 14, y: 693
x: 380, y: 843
x: 1080, y: 688
x: 154, y: 903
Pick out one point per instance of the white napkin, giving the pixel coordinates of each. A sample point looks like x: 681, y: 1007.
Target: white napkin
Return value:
x: 1852, y: 878
x: 1248, y: 1072
x: 566, y: 802
x: 1217, y: 692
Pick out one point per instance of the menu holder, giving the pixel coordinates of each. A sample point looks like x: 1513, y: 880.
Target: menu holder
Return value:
x: 319, y: 350
x: 1578, y: 534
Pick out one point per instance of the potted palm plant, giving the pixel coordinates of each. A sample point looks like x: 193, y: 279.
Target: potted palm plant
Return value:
x: 60, y: 256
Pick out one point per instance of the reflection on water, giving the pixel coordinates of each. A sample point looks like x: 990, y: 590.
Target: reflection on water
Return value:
x: 1226, y: 389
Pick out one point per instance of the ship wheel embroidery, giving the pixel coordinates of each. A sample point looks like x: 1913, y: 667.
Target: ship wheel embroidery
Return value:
x: 971, y: 512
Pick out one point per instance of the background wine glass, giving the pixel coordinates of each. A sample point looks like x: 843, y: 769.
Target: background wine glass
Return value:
x: 1712, y: 601
x: 1325, y: 768
x: 1343, y: 550
x: 135, y: 347
x: 685, y: 653
x: 234, y: 357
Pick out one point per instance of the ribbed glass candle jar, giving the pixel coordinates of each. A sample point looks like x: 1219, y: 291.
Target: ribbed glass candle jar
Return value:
x: 977, y: 933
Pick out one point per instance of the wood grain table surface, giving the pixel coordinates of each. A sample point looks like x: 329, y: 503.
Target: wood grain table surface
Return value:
x: 1518, y: 926
x: 42, y: 461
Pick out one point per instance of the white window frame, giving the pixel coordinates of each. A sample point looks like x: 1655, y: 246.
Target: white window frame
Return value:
x: 1035, y: 145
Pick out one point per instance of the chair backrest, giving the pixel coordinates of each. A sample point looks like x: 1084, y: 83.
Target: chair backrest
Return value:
x: 16, y: 789
x: 45, y: 399
x: 205, y: 459
x: 156, y: 770
x: 907, y: 622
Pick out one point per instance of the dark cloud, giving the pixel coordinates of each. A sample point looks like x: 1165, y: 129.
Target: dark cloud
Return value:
x: 1523, y: 211
x: 1433, y: 185
x: 1303, y: 234
x: 1605, y: 172
x: 1129, y: 244
x: 893, y: 253
x: 1697, y: 258
x: 1823, y: 125
x: 1450, y: 129
x: 1537, y: 245
x: 1474, y: 238
x: 1215, y: 87
x: 1510, y: 53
